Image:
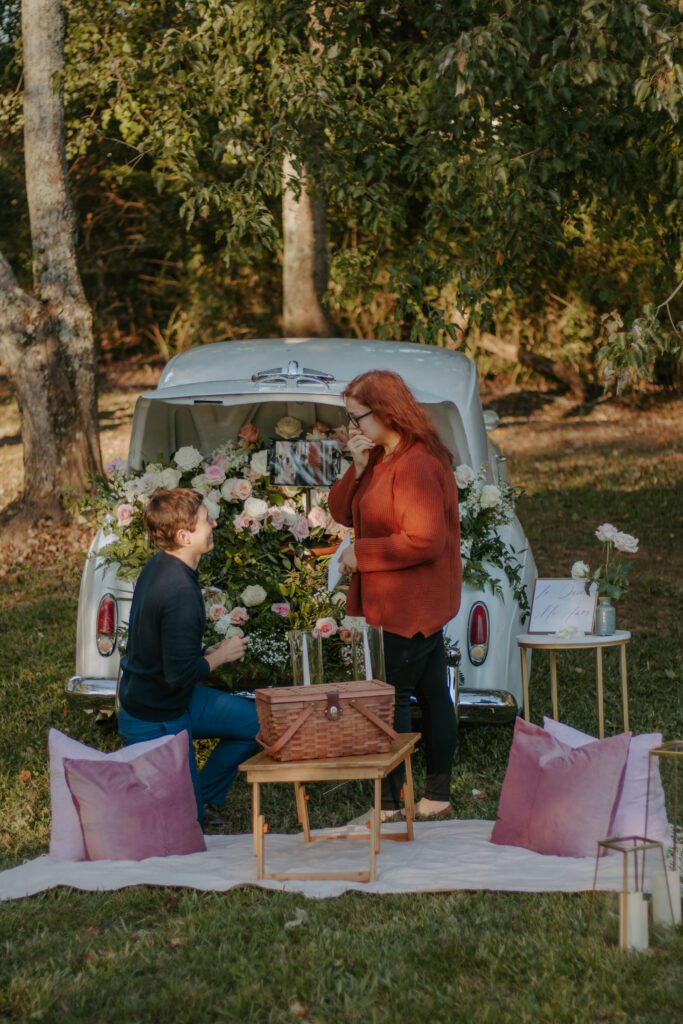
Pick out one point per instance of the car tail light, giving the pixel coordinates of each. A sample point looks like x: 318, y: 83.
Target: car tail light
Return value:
x: 106, y: 625
x: 478, y: 633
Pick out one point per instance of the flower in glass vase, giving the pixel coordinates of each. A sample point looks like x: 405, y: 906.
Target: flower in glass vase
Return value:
x: 611, y: 576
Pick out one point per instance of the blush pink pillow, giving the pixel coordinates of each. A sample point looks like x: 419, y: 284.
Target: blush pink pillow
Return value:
x: 66, y: 838
x: 136, y: 809
x: 555, y: 799
x: 629, y: 814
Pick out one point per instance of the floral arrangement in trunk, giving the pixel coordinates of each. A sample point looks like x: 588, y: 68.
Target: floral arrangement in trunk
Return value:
x: 263, y: 577
x: 484, y: 509
x: 611, y: 576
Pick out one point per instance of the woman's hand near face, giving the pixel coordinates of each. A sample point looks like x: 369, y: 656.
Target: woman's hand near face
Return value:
x: 360, y: 447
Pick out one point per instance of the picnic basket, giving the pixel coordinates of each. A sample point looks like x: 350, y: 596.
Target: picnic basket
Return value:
x: 298, y: 723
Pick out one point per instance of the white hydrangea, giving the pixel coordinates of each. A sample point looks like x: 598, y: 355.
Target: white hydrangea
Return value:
x: 187, y: 458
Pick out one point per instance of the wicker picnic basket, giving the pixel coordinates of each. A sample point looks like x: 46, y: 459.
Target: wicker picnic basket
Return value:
x: 299, y: 723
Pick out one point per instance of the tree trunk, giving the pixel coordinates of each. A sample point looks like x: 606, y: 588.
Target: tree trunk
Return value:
x: 304, y: 270
x: 46, y: 341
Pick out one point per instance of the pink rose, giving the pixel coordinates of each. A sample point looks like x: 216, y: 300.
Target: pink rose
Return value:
x: 322, y: 428
x: 341, y: 436
x: 318, y: 517
x: 214, y: 475
x: 300, y: 528
x: 239, y: 615
x: 325, y: 628
x: 124, y: 514
x: 246, y: 522
x: 236, y: 489
x: 216, y: 612
x: 280, y: 608
x: 276, y: 516
x: 248, y: 434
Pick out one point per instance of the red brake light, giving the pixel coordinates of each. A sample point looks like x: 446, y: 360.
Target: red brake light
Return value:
x: 478, y: 634
x: 106, y: 625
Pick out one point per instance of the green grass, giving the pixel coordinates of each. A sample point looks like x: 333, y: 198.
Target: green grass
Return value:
x: 149, y: 954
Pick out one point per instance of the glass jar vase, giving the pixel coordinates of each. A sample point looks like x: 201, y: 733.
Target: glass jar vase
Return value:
x: 306, y: 655
x: 367, y: 651
x: 605, y: 617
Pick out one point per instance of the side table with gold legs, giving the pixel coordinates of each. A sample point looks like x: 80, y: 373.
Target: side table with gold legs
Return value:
x: 552, y: 643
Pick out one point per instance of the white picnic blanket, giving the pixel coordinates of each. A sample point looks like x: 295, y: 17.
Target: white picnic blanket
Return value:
x: 444, y: 856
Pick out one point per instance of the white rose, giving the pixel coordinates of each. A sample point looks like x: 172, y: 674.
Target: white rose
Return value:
x: 464, y: 475
x: 259, y: 463
x: 339, y: 597
x: 606, y: 533
x: 252, y: 595
x: 187, y: 458
x: 169, y: 477
x: 236, y: 489
x: 626, y: 543
x: 288, y: 427
x: 256, y: 507
x: 319, y: 517
x: 290, y: 514
x: 200, y: 483
x: 233, y: 631
x: 490, y: 496
x: 147, y: 484
x: 223, y: 625
x: 213, y: 509
x: 580, y: 571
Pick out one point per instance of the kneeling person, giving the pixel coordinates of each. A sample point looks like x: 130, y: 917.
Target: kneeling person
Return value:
x: 163, y: 667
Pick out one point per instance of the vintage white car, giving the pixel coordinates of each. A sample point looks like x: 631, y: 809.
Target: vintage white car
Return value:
x: 206, y: 394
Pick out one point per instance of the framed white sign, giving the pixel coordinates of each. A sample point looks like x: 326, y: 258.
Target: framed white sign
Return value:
x: 560, y: 605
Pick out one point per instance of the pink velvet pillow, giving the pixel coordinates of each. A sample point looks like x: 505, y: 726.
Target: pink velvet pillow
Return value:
x: 137, y: 809
x: 629, y: 814
x: 557, y: 800
x: 66, y: 838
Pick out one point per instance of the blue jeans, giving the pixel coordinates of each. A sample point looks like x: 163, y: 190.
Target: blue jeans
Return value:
x: 212, y: 714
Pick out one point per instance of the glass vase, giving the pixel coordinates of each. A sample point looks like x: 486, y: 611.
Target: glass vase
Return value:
x: 367, y: 650
x: 306, y: 655
x: 605, y: 617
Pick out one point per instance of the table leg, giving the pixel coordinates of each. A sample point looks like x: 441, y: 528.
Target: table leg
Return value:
x: 409, y: 798
x: 259, y: 834
x: 375, y: 837
x: 255, y: 813
x: 302, y: 810
x: 601, y: 710
x: 553, y: 683
x: 624, y: 686
x: 525, y: 682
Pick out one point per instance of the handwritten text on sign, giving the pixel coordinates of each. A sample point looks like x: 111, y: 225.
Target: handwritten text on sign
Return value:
x: 562, y: 605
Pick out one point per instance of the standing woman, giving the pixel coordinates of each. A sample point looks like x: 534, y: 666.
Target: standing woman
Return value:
x: 400, y: 497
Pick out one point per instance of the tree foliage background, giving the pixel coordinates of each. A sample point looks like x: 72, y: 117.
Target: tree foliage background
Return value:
x: 505, y: 167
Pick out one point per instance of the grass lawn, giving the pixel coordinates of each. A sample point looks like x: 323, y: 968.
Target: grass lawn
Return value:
x: 148, y: 955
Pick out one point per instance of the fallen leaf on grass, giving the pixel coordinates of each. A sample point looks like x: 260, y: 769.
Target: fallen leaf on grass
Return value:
x: 170, y: 901
x: 177, y: 942
x: 92, y: 930
x: 25, y: 775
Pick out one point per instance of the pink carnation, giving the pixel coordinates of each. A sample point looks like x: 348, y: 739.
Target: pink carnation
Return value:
x: 280, y: 608
x: 325, y: 628
x: 239, y: 615
x: 300, y: 528
x: 124, y: 514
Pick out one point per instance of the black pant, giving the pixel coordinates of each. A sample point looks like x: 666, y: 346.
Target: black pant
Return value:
x: 417, y: 666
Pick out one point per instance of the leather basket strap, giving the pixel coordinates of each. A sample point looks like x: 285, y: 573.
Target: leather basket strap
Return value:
x: 375, y: 719
x: 274, y: 748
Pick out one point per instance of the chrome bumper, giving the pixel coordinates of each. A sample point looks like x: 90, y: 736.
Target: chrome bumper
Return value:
x: 486, y: 707
x: 100, y: 692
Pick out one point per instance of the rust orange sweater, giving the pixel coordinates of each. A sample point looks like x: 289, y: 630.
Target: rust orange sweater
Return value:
x: 404, y: 513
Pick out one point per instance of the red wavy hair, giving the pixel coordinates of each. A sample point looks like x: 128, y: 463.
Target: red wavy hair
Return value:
x: 392, y: 402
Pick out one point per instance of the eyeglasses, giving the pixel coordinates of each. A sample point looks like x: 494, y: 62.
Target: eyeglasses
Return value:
x: 355, y: 420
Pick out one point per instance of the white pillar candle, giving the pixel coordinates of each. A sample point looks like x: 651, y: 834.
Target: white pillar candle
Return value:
x: 305, y: 664
x: 666, y: 885
x: 633, y: 931
x: 366, y: 655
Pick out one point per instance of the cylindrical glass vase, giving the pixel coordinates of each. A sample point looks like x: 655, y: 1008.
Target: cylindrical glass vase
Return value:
x: 367, y: 649
x: 605, y: 617
x: 306, y: 654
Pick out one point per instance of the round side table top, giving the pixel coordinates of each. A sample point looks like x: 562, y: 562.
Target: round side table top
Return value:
x: 620, y: 636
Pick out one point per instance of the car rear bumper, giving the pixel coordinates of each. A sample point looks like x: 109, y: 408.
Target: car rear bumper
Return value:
x: 98, y: 693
